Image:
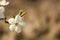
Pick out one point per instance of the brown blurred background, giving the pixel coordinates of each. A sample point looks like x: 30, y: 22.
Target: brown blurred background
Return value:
x: 42, y: 20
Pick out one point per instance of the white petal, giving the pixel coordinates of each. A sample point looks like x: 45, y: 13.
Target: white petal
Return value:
x: 18, y: 18
x: 2, y: 9
x: 7, y: 3
x: 18, y: 29
x: 2, y: 15
x: 3, y: 2
x: 12, y: 27
x: 11, y: 21
x: 22, y: 23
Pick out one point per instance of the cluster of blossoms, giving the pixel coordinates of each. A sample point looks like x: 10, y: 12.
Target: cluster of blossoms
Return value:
x: 16, y: 24
x: 2, y: 8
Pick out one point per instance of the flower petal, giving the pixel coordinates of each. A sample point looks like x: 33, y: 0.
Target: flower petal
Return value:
x: 2, y: 9
x: 22, y: 24
x: 7, y: 3
x: 3, y: 2
x: 12, y: 27
x: 11, y: 21
x: 18, y: 18
x: 18, y: 29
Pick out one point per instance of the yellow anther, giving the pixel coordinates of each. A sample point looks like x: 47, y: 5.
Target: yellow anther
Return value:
x: 16, y: 24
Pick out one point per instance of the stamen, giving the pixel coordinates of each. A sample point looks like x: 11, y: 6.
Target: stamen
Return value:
x: 21, y: 13
x: 16, y: 24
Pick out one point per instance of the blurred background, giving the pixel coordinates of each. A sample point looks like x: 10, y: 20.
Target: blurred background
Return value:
x: 42, y: 20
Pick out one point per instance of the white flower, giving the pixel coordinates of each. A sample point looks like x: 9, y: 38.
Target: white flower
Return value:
x: 2, y: 9
x: 3, y: 3
x: 16, y: 24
